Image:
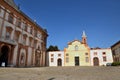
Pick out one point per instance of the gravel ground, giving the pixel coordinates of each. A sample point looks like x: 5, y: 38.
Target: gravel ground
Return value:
x: 61, y: 73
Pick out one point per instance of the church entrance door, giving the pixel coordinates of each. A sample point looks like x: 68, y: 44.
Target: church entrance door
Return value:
x: 76, y: 61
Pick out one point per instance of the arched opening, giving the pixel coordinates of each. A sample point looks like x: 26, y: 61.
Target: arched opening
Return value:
x: 59, y: 62
x: 37, y: 58
x: 4, y: 55
x: 22, y: 58
x: 96, y: 61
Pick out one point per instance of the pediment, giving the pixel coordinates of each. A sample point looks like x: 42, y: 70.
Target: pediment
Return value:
x: 74, y: 42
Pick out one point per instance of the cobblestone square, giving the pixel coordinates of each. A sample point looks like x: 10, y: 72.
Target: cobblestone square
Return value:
x: 61, y: 73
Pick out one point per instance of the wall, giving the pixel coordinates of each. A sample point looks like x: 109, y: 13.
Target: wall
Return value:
x: 100, y: 56
x: 55, y: 57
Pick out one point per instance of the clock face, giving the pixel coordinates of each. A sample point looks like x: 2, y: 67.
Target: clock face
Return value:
x: 39, y: 35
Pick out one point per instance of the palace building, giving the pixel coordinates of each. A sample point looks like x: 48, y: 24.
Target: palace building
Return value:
x: 22, y: 41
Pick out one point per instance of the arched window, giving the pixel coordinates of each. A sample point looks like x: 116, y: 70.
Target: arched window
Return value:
x: 76, y: 48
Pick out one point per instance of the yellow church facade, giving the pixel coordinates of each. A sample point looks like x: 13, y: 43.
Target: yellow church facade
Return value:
x: 77, y: 53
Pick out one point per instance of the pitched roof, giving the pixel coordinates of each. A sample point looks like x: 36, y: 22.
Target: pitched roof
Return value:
x: 12, y: 3
x: 115, y: 44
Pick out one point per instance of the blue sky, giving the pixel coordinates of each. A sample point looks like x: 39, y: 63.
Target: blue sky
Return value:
x: 66, y: 19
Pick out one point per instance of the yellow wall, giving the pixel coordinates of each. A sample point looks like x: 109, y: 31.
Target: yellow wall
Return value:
x: 72, y: 53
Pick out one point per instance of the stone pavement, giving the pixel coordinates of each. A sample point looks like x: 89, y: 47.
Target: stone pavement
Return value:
x: 61, y: 73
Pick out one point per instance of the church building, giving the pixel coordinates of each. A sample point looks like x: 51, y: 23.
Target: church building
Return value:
x: 77, y: 53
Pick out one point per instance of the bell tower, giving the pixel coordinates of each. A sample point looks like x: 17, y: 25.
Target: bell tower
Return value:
x: 84, y: 38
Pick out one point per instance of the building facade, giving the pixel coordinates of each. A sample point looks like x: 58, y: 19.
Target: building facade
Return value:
x: 77, y: 53
x: 22, y: 41
x: 100, y: 57
x: 55, y: 58
x: 116, y: 51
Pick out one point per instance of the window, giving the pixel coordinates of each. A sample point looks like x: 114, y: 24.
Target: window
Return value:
x: 52, y: 55
x: 117, y: 50
x: 76, y: 48
x: 67, y: 54
x: 59, y: 55
x: 38, y: 47
x: 7, y: 35
x: 86, y: 53
x: 18, y: 22
x: 87, y: 59
x: 10, y: 18
x: 16, y: 37
x: 35, y: 33
x: 52, y: 59
x: 117, y: 59
x: 24, y: 39
x: 31, y: 31
x: 95, y: 53
x: 113, y: 52
x: 25, y: 27
x: 104, y: 53
x: 67, y: 59
x: 104, y: 58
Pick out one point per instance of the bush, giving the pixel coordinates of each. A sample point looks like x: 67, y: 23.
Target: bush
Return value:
x: 116, y: 64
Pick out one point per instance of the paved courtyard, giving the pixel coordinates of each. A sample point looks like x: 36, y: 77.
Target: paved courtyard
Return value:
x: 61, y: 73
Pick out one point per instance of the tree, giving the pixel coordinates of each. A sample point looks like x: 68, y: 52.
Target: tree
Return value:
x: 52, y: 48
